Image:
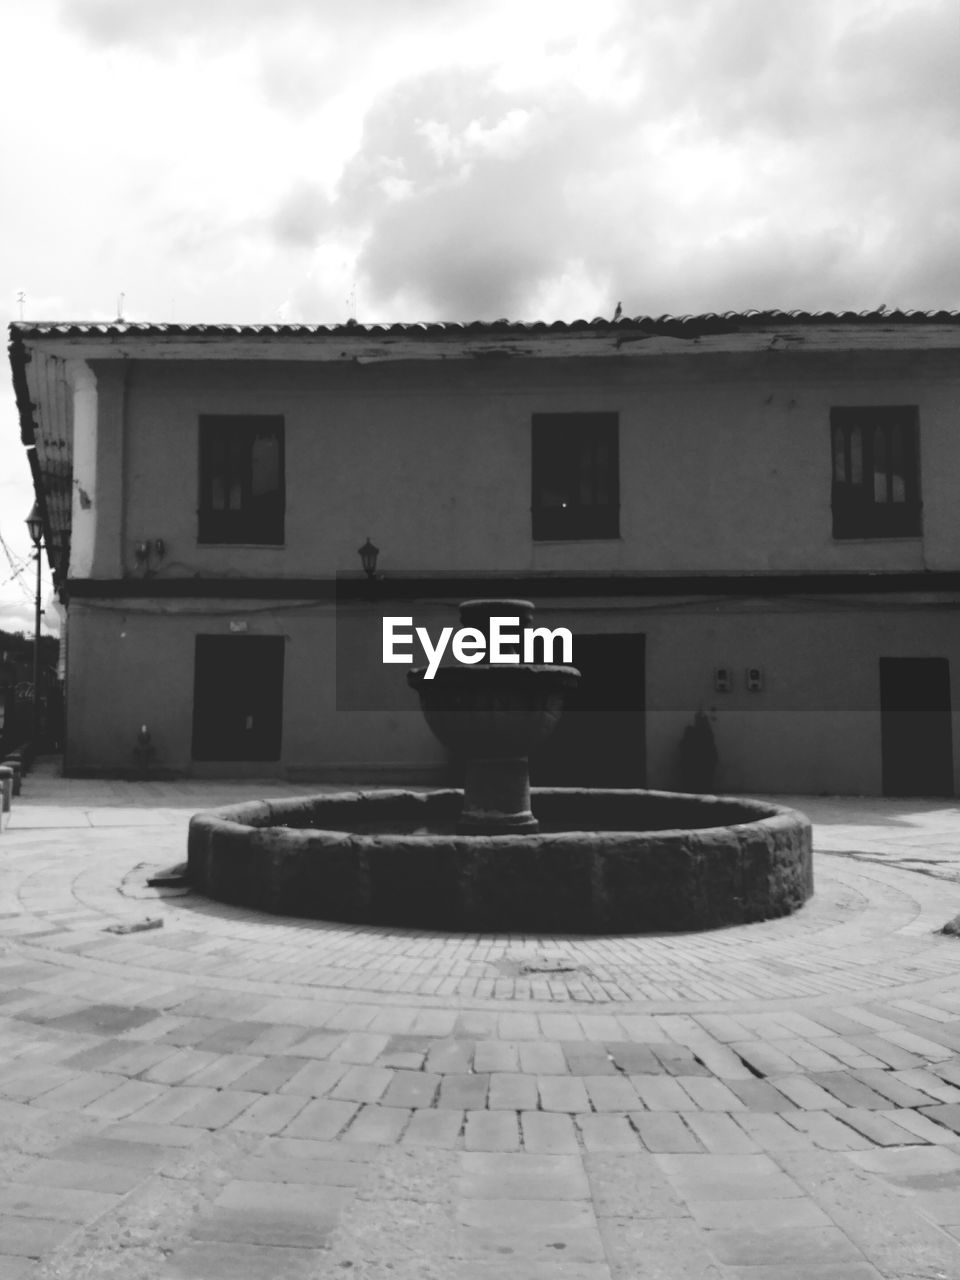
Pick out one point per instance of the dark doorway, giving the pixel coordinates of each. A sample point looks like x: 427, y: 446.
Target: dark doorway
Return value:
x: 238, y: 698
x: 916, y: 727
x: 600, y: 741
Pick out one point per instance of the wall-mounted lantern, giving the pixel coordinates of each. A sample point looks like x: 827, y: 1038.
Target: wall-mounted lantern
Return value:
x: 722, y: 679
x: 753, y: 677
x: 368, y: 558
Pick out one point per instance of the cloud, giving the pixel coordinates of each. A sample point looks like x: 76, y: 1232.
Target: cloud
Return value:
x: 307, y: 50
x: 719, y: 154
x: 154, y: 23
x: 302, y: 216
x: 463, y: 191
x: 160, y: 26
x: 901, y: 71
x: 748, y: 154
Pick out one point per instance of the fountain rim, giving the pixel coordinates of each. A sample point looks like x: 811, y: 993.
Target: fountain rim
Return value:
x: 753, y: 862
x: 763, y: 813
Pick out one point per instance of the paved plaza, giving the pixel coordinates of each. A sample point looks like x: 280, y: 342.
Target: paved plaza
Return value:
x: 231, y: 1096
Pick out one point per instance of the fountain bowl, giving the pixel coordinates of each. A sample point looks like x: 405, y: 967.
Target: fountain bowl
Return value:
x: 491, y: 718
x: 493, y: 711
x: 603, y: 861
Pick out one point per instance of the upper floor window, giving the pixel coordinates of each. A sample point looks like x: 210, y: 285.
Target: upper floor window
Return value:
x: 876, y: 472
x: 576, y: 484
x: 241, y: 479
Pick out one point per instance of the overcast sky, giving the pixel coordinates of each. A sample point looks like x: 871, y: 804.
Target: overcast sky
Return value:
x: 313, y: 160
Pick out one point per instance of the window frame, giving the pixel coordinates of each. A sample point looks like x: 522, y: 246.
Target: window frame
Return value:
x: 857, y: 513
x: 574, y: 521
x: 245, y: 525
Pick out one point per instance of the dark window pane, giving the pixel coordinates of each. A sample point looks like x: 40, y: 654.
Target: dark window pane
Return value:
x: 237, y: 454
x: 880, y: 464
x: 855, y: 466
x: 241, y: 480
x: 217, y: 473
x: 575, y: 487
x: 898, y: 483
x: 265, y: 464
x: 875, y: 468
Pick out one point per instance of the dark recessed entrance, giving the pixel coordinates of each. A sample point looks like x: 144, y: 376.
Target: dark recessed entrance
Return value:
x: 916, y: 727
x: 600, y: 740
x: 238, y: 698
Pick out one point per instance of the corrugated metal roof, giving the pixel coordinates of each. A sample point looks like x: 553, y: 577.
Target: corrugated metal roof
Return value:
x: 687, y: 326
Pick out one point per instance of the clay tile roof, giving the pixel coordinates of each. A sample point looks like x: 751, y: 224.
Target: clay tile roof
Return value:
x: 667, y: 325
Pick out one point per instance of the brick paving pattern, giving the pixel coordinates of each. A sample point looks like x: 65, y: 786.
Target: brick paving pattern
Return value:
x: 240, y: 1095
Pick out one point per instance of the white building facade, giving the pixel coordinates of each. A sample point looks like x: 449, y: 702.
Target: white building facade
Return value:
x: 750, y: 516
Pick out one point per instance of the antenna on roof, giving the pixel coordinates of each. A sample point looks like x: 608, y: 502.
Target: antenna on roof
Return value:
x: 120, y: 306
x: 352, y: 303
x: 21, y: 299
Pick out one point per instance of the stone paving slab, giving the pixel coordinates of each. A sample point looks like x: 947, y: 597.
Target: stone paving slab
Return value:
x: 234, y: 1094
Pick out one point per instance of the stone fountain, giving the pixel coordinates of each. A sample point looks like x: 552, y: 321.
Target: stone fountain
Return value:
x: 491, y: 717
x: 497, y: 856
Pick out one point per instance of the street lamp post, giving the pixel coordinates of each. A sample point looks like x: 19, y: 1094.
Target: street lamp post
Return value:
x: 35, y: 527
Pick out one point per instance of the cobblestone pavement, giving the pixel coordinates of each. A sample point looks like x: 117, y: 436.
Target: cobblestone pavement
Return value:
x: 230, y: 1095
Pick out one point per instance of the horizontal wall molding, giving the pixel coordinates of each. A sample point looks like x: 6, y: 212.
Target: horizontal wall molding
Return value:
x: 533, y: 586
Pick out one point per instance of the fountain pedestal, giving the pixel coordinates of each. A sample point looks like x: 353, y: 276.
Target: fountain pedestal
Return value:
x: 496, y: 797
x: 491, y: 716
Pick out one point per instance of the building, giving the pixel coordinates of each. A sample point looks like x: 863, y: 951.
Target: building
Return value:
x: 753, y: 516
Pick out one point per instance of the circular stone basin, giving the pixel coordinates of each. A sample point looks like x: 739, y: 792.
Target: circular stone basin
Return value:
x: 603, y: 861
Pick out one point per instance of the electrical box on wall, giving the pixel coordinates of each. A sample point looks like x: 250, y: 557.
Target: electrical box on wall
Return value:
x: 722, y: 679
x: 754, y: 679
